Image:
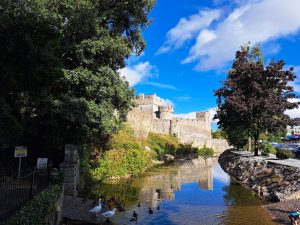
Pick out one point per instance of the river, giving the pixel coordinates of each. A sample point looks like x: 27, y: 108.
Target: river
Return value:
x: 193, y: 192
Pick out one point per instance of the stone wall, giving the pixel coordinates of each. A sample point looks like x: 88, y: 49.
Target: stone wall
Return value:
x: 189, y: 131
x: 71, y: 170
x: 269, y: 180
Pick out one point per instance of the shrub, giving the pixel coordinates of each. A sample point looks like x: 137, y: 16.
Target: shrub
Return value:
x: 121, y: 163
x: 284, y: 154
x: 124, y: 139
x: 186, y: 149
x: 206, y: 152
x: 267, y: 149
x: 40, y: 209
x: 162, y: 144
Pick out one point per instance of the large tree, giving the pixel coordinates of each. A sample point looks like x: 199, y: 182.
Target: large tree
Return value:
x: 254, y: 98
x: 58, y: 68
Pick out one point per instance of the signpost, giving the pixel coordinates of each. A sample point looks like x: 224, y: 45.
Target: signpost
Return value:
x: 20, y: 151
x: 42, y: 163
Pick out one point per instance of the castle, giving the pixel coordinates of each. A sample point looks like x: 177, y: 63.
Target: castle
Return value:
x: 151, y: 114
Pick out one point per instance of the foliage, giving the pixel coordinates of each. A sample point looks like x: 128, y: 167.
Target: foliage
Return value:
x: 166, y: 144
x: 273, y: 137
x: 124, y: 139
x: 237, y: 136
x: 219, y: 134
x: 125, y: 156
x: 267, y: 149
x: 185, y: 150
x: 162, y: 144
x: 59, y: 63
x: 284, y: 154
x: 254, y: 98
x: 206, y: 152
x: 40, y: 210
x: 121, y: 163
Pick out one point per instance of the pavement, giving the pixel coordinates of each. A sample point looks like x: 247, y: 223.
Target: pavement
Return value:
x: 76, y: 211
x: 272, y: 158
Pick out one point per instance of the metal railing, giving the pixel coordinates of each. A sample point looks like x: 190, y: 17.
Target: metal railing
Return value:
x: 14, y: 194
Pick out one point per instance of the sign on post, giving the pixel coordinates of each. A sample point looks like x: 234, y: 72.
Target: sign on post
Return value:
x: 42, y: 163
x: 20, y: 151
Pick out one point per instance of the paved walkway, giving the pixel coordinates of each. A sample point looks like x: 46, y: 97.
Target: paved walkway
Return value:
x: 271, y: 158
x: 77, y: 210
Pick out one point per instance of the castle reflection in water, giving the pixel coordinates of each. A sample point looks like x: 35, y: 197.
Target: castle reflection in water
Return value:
x: 162, y: 187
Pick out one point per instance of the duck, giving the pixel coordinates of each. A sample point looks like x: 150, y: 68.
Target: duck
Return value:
x: 150, y: 211
x: 96, y: 210
x: 133, y: 220
x: 109, y: 214
x: 135, y: 215
x: 120, y: 207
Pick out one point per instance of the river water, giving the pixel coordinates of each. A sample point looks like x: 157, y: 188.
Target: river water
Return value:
x: 194, y: 192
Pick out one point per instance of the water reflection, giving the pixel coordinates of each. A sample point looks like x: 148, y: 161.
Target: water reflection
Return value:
x: 191, y: 193
x: 162, y: 187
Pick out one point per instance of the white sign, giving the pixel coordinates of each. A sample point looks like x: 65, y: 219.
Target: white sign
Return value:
x: 20, y: 151
x: 42, y: 163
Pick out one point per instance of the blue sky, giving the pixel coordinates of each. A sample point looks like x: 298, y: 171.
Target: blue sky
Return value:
x: 191, y: 44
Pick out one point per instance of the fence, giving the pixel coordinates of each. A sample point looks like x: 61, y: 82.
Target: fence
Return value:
x: 15, y: 194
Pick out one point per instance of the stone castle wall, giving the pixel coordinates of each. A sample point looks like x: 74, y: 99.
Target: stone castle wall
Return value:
x: 151, y: 115
x: 188, y: 131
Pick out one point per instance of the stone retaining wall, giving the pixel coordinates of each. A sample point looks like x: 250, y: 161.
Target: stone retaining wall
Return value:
x: 269, y: 180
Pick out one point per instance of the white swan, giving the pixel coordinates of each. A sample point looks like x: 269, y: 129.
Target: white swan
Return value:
x: 96, y: 210
x: 109, y: 214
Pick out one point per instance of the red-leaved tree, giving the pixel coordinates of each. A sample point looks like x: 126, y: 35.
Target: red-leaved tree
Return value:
x: 254, y: 98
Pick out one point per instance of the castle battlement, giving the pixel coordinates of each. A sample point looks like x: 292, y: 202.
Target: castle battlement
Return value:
x: 166, y: 108
x: 151, y: 115
x: 153, y: 99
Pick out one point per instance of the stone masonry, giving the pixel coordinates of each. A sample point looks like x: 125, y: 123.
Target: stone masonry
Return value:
x: 71, y: 170
x: 271, y: 179
x: 152, y: 115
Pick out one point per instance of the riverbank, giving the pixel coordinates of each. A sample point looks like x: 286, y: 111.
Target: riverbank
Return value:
x: 279, y: 211
x: 271, y: 179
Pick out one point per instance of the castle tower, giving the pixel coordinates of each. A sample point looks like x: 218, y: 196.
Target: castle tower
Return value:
x: 205, y: 117
x: 166, y: 112
x: 149, y: 103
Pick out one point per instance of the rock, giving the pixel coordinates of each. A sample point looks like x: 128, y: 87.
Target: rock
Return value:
x: 270, y: 180
x: 147, y: 148
x: 168, y: 158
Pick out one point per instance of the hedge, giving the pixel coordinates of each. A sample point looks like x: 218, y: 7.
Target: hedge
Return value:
x: 40, y: 209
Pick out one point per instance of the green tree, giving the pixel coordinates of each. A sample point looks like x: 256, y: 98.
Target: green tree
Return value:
x: 254, y: 98
x: 219, y: 134
x: 59, y: 62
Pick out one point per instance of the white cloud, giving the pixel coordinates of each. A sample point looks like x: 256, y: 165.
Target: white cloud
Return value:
x: 191, y: 115
x: 255, y: 21
x: 138, y: 73
x: 184, y: 98
x: 296, y: 83
x: 187, y: 29
x: 160, y: 85
x: 294, y: 113
x: 167, y: 102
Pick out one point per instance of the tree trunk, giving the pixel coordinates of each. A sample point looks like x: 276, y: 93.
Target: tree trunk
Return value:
x: 255, y: 147
x: 256, y: 137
